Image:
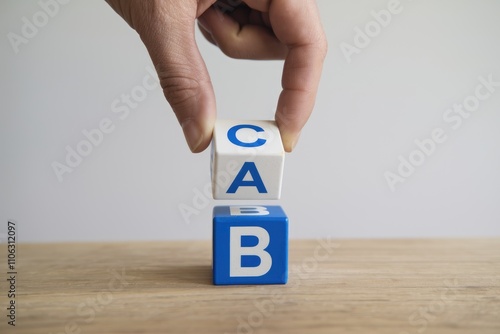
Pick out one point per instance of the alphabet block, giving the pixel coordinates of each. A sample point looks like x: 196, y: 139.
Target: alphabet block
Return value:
x: 247, y: 160
x: 250, y: 245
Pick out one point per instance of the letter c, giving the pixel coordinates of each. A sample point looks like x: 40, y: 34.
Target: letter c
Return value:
x: 231, y: 135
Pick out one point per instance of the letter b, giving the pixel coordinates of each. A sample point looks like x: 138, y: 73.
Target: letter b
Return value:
x: 237, y: 251
x: 248, y: 210
x: 250, y: 245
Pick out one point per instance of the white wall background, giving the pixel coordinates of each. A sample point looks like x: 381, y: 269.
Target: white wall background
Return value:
x: 368, y: 112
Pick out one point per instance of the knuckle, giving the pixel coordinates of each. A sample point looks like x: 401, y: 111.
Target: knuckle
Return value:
x: 231, y: 50
x: 321, y: 44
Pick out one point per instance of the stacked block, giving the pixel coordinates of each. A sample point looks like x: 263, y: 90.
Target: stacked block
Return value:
x: 250, y: 242
x: 247, y: 160
x: 250, y: 245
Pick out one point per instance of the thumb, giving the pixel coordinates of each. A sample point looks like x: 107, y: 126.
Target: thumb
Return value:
x: 183, y: 76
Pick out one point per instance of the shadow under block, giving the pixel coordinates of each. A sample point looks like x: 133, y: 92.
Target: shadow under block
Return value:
x: 250, y: 245
x: 247, y: 160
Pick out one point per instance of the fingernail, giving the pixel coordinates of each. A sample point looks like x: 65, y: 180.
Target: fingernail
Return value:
x: 192, y: 133
x: 293, y: 142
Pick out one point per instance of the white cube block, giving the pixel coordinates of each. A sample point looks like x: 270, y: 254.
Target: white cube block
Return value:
x: 247, y: 160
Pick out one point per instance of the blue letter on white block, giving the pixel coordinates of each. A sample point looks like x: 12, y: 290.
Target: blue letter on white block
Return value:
x: 247, y: 160
x: 231, y: 135
x: 239, y: 181
x: 250, y: 245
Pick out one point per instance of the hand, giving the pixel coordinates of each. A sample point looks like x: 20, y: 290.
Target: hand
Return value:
x: 256, y: 29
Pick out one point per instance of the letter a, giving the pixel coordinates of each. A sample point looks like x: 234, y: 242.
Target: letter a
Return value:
x: 248, y: 167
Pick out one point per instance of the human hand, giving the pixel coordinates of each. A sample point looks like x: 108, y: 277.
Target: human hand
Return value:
x: 256, y: 29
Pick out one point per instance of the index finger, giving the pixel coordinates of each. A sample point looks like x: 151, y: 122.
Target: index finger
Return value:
x: 296, y: 23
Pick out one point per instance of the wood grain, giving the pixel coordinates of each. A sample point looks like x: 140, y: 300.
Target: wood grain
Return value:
x: 342, y: 286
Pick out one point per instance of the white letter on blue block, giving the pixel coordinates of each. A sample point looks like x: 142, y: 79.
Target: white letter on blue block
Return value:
x: 237, y: 251
x: 245, y: 210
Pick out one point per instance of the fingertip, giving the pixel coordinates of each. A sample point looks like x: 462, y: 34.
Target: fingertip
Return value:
x: 206, y: 34
x: 289, y: 138
x: 290, y: 141
x: 206, y: 138
x: 192, y: 133
x: 198, y: 134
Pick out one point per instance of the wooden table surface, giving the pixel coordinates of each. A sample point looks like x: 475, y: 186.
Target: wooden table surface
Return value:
x: 342, y: 286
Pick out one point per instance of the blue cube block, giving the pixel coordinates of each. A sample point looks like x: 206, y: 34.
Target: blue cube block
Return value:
x: 250, y: 245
